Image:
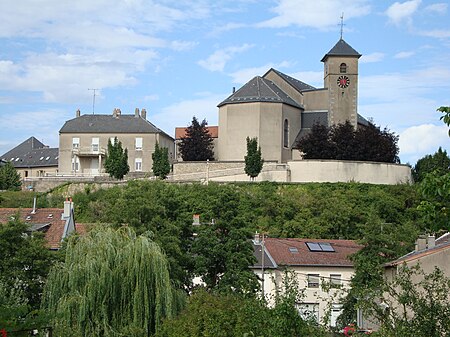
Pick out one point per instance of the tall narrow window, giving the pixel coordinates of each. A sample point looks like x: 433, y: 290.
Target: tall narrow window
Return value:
x: 95, y: 144
x: 138, y: 143
x: 138, y: 164
x: 75, y: 142
x: 343, y: 68
x: 286, y: 133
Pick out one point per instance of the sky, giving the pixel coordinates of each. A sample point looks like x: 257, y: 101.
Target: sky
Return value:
x: 181, y: 58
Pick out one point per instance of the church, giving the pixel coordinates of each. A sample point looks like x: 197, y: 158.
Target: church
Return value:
x: 279, y: 109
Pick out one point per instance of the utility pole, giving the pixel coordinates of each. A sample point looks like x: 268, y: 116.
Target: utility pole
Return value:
x: 93, y: 100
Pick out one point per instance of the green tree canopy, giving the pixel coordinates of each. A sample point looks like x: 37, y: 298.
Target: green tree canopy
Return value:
x: 343, y: 142
x: 439, y: 161
x: 445, y: 110
x: 116, y: 162
x: 197, y: 145
x: 112, y: 283
x: 253, y: 160
x: 161, y: 164
x: 9, y: 178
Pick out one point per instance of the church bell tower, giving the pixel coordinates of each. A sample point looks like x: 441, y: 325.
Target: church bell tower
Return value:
x: 341, y: 80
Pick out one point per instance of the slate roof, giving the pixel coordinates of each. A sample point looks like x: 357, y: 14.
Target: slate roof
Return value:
x: 109, y: 124
x: 46, y: 220
x: 32, y: 153
x: 181, y: 132
x: 442, y: 243
x: 341, y: 48
x: 259, y: 89
x: 279, y: 250
x: 269, y: 263
x: 299, y: 85
x: 308, y: 121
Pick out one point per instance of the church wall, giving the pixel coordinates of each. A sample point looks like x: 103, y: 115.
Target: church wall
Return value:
x: 316, y: 100
x: 293, y: 115
x: 271, y: 131
x: 283, y: 85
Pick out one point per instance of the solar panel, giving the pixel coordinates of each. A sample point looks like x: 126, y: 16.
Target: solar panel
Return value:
x: 314, y: 247
x: 326, y: 247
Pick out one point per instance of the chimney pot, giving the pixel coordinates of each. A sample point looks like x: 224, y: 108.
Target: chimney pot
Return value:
x: 234, y: 90
x: 136, y: 112
x: 431, y: 241
x: 78, y: 113
x: 114, y: 112
x: 144, y: 114
x: 421, y: 243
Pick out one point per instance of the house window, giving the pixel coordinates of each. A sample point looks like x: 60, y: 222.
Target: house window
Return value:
x: 309, y: 311
x: 343, y: 68
x: 286, y: 133
x: 313, y: 280
x: 138, y: 143
x: 138, y: 164
x: 75, y: 164
x: 335, y: 280
x: 75, y: 143
x: 95, y: 144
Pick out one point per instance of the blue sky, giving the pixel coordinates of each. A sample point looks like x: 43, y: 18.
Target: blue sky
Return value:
x: 180, y: 58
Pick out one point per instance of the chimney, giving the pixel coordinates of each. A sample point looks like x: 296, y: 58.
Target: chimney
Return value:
x: 234, y: 90
x: 421, y: 243
x: 431, y: 241
x: 144, y: 114
x: 118, y: 113
x: 114, y: 113
x: 67, y: 208
x: 257, y: 238
x: 78, y: 113
x: 196, y: 220
x: 136, y: 112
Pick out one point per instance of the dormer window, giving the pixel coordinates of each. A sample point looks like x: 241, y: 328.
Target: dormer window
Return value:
x: 343, y: 68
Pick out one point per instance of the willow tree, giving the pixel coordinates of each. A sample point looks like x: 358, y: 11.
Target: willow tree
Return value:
x: 112, y: 283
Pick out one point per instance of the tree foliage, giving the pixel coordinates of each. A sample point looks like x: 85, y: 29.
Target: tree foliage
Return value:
x: 439, y: 161
x: 412, y: 304
x: 161, y: 164
x: 197, y: 145
x: 445, y: 110
x: 112, y: 283
x: 24, y: 260
x: 253, y: 160
x: 116, y: 162
x: 9, y: 178
x: 343, y: 142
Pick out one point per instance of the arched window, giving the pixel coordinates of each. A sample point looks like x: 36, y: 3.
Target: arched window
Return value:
x: 343, y: 68
x: 286, y: 133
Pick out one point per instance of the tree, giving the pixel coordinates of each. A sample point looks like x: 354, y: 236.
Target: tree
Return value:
x: 439, y: 161
x: 161, y: 164
x: 112, y: 283
x: 116, y: 162
x: 445, y: 110
x: 24, y: 260
x: 374, y: 144
x: 253, y: 160
x: 197, y: 145
x: 412, y: 304
x: 343, y: 138
x: 9, y: 178
x: 316, y: 144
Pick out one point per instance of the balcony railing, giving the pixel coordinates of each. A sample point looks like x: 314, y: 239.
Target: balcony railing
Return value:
x: 89, y: 151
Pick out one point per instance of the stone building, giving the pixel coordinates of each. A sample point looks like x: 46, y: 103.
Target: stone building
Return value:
x: 83, y: 142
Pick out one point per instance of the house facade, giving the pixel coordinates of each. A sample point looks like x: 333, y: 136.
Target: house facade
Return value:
x: 83, y: 142
x: 32, y: 158
x: 320, y: 268
x: 279, y: 109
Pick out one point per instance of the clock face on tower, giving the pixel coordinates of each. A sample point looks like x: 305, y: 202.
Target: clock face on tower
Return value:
x: 343, y: 81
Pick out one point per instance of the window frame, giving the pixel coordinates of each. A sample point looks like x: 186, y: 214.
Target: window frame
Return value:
x: 335, y: 280
x: 311, y: 278
x: 138, y: 141
x: 75, y: 142
x: 138, y: 168
x: 343, y: 68
x: 286, y: 133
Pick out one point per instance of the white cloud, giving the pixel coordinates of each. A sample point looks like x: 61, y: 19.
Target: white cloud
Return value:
x: 371, y: 58
x: 181, y: 113
x: 401, y: 12
x: 417, y: 141
x: 436, y: 33
x: 438, y: 8
x: 244, y: 75
x: 320, y: 14
x: 218, y: 60
x: 404, y: 54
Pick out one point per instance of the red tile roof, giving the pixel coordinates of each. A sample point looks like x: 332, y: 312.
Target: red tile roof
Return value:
x: 51, y: 216
x: 302, y: 256
x: 181, y: 132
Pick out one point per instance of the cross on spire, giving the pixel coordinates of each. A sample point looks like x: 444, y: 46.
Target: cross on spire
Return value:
x: 342, y: 24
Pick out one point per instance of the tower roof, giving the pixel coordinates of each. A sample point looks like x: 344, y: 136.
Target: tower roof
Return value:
x: 341, y: 48
x: 259, y: 89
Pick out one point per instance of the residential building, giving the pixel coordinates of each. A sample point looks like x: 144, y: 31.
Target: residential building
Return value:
x: 181, y: 133
x: 32, y: 158
x: 83, y: 142
x: 56, y: 223
x: 322, y: 268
